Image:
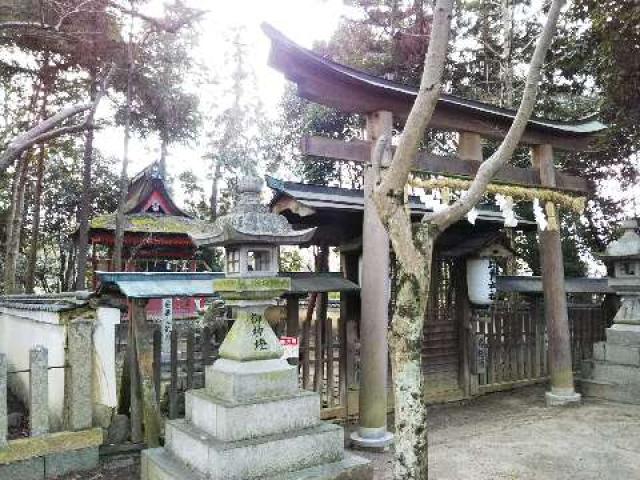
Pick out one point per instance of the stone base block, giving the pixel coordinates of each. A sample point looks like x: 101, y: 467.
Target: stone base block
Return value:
x: 256, y: 458
x: 240, y: 421
x: 58, y: 464
x: 351, y: 467
x: 32, y: 469
x: 243, y: 382
x: 157, y: 464
x: 615, y: 353
x: 621, y: 334
x: 611, y: 392
x: 562, y: 399
x: 615, y: 373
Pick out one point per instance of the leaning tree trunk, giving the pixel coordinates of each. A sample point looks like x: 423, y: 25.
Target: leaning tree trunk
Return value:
x: 85, y: 198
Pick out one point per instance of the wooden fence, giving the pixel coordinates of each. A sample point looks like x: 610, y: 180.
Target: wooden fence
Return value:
x: 513, y: 344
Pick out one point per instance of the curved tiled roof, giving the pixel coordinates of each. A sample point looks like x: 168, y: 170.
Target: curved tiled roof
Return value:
x: 320, y: 65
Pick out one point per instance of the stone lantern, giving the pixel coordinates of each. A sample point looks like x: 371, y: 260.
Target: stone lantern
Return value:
x: 252, y: 420
x: 614, y: 372
x: 624, y: 255
x: 251, y: 236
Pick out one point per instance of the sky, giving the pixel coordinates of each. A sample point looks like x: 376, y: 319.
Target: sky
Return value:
x: 304, y: 21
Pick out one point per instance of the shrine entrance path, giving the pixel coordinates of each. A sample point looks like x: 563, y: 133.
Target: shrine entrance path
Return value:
x: 512, y: 435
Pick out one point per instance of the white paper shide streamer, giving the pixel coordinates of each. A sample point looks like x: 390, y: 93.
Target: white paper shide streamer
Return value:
x: 539, y: 215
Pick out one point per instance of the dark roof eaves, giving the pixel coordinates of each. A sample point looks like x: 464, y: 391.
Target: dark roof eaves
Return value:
x: 573, y: 128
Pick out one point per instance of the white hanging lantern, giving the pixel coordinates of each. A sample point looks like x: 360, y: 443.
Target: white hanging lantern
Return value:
x: 481, y: 281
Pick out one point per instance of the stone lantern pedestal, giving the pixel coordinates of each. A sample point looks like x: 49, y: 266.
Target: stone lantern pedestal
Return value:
x: 614, y: 371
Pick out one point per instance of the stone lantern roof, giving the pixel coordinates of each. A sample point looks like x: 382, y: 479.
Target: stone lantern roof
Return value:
x: 627, y: 247
x: 251, y: 222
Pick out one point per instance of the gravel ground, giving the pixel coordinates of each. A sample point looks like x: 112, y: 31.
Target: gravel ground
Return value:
x: 509, y: 435
x: 513, y: 436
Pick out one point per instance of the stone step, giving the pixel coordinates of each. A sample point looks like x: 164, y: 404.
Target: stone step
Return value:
x: 351, y: 467
x: 158, y: 464
x: 616, y: 353
x: 240, y: 421
x: 254, y: 458
x: 243, y: 382
x: 614, y: 373
x: 621, y: 334
x: 611, y: 391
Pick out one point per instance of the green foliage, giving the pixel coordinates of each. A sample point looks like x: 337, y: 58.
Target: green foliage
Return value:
x: 292, y: 261
x: 162, y: 104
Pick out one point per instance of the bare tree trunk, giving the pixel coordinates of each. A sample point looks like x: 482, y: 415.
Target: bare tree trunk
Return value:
x: 164, y: 146
x: 14, y: 231
x: 37, y: 196
x: 405, y: 344
x: 214, y: 190
x: 124, y: 180
x: 85, y: 199
x: 507, y: 54
x: 35, y: 229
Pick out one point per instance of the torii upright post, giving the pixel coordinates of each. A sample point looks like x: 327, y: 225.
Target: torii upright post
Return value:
x: 555, y: 299
x: 372, y: 431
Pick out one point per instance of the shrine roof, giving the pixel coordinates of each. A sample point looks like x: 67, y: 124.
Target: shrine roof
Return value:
x: 321, y: 197
x: 324, y: 81
x: 54, y: 302
x: 142, y: 188
x: 151, y: 223
x: 200, y: 284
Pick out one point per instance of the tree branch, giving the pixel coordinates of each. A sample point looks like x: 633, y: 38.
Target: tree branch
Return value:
x: 445, y: 218
x: 388, y: 191
x: 48, y: 129
x: 169, y: 26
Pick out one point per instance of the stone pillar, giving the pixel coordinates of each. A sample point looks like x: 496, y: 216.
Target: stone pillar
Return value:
x: 470, y: 146
x: 79, y: 396
x: 555, y: 298
x: 39, y: 391
x: 372, y: 431
x: 3, y: 400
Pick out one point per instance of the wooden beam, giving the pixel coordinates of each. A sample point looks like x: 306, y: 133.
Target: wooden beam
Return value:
x: 453, y: 166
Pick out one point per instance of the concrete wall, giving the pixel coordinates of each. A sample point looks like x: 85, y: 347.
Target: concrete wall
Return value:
x: 21, y: 330
x: 104, y: 357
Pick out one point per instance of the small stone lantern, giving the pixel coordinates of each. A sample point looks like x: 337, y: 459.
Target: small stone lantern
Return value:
x: 251, y: 236
x: 624, y: 255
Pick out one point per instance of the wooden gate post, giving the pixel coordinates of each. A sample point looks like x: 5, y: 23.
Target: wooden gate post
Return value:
x: 555, y: 298
x: 374, y: 358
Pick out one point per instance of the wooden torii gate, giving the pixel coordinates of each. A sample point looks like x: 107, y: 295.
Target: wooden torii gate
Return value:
x: 383, y: 102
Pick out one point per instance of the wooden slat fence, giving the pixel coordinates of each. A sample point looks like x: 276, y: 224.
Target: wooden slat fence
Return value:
x: 515, y: 337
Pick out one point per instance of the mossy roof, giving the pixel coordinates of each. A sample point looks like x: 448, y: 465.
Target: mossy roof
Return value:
x: 152, y: 223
